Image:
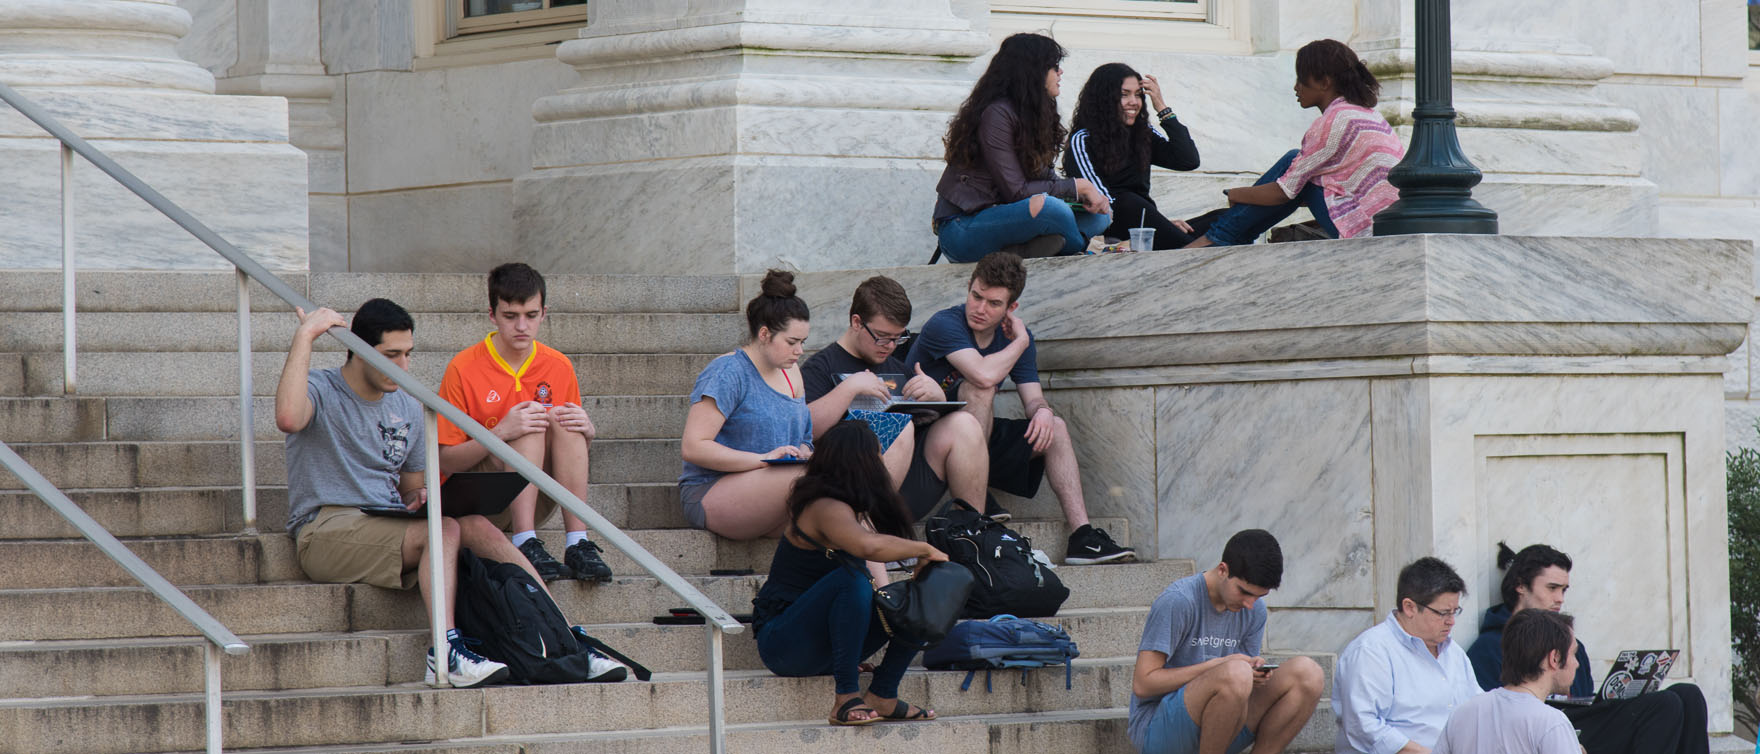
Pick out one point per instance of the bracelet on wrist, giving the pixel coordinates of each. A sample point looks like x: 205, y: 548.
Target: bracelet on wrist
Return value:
x: 1164, y: 113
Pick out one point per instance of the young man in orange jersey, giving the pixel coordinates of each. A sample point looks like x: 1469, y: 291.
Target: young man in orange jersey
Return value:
x: 526, y: 393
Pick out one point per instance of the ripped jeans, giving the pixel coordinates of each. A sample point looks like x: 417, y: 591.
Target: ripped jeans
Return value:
x: 968, y: 238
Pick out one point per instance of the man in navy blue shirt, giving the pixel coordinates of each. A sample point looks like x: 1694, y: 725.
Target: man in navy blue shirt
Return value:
x: 968, y: 350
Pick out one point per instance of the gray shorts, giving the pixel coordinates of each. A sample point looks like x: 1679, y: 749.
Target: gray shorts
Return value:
x: 691, y: 497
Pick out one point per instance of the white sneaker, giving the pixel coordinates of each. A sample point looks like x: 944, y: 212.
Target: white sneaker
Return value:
x: 465, y: 668
x: 600, y: 668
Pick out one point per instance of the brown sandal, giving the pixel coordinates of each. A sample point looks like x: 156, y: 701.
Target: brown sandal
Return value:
x: 853, y: 705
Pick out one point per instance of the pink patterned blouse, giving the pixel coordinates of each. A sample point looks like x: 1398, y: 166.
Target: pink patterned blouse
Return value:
x: 1348, y: 150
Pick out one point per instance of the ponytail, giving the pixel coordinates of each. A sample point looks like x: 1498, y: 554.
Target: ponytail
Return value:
x: 1330, y: 59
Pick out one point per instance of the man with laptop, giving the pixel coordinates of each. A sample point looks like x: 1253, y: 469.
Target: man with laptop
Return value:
x: 1670, y: 721
x: 968, y: 350
x: 527, y: 394
x: 950, y: 452
x: 354, y: 440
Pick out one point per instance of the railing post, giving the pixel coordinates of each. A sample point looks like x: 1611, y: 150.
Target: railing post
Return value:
x: 717, y: 713
x: 437, y: 574
x: 247, y: 430
x: 68, y: 363
x: 214, y: 710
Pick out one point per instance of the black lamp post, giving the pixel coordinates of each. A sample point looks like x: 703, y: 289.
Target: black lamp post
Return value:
x: 1435, y: 179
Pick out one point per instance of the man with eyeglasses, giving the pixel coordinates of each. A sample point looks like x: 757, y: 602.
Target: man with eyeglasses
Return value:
x: 950, y: 453
x: 1396, y: 683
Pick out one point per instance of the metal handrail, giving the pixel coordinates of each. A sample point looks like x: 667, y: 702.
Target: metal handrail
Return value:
x: 717, y: 621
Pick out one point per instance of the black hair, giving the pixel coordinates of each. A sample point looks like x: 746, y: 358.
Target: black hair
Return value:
x: 1332, y: 60
x: 846, y: 466
x: 1520, y: 568
x: 1425, y: 579
x: 375, y: 318
x: 1016, y: 74
x: 1529, y: 638
x: 775, y: 305
x: 1253, y: 556
x: 515, y: 283
x: 1113, y: 145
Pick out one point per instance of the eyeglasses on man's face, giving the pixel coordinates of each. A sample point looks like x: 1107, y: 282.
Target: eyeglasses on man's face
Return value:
x: 889, y: 340
x: 1455, y: 613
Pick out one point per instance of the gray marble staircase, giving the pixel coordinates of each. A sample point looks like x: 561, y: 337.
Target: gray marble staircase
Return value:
x: 94, y: 664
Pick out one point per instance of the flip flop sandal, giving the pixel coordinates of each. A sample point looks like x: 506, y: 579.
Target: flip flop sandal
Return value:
x: 866, y: 667
x: 902, y: 713
x: 842, y: 716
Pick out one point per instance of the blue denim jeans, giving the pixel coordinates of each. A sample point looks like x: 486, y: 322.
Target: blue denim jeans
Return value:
x: 967, y: 238
x: 1244, y: 222
x: 831, y: 628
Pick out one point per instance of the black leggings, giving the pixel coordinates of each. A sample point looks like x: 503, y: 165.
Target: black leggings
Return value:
x: 1670, y: 721
x: 1130, y: 207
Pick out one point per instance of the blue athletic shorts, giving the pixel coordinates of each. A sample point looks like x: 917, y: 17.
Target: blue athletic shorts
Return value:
x: 1172, y: 731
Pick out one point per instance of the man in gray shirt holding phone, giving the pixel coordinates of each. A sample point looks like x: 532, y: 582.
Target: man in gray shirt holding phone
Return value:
x: 1200, y: 686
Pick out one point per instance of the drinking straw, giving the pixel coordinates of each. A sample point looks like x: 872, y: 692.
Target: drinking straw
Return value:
x: 1143, y: 217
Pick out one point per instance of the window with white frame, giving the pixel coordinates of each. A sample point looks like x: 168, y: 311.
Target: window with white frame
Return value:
x: 1194, y: 25
x: 474, y: 16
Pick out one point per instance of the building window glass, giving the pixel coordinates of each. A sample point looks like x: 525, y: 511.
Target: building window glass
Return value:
x: 495, y: 15
x: 1754, y: 24
x: 1192, y: 10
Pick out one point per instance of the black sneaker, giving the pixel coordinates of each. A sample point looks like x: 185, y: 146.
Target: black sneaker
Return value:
x: 548, y: 569
x: 1090, y: 544
x: 584, y: 560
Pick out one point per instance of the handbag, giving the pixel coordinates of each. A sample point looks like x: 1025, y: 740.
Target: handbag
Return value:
x: 920, y: 611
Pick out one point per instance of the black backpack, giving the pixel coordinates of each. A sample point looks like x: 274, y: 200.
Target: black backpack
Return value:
x: 502, y: 606
x: 1007, y: 580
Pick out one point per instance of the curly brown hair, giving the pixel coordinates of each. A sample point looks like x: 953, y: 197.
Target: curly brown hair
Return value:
x: 1016, y: 75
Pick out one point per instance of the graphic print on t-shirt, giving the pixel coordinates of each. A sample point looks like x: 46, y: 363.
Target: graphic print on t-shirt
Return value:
x: 396, y: 439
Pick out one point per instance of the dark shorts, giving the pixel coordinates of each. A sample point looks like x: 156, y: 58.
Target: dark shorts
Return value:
x: 921, y: 489
x: 1013, y: 468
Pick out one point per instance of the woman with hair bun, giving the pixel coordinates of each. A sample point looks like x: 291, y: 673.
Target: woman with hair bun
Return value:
x: 999, y: 188
x: 746, y: 412
x: 1112, y: 146
x: 1339, y: 174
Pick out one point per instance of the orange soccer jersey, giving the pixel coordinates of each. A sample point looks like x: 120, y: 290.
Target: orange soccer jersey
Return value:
x: 483, y: 385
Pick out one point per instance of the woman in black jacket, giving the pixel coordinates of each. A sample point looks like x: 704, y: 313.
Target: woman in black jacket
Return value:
x: 999, y: 188
x: 1113, y: 146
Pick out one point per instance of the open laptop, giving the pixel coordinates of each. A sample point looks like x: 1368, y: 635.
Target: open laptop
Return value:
x: 898, y: 403
x: 1634, y: 672
x: 466, y: 493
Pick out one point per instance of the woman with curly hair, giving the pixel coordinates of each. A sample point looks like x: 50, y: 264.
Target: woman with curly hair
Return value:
x: 1113, y: 145
x: 999, y: 188
x: 815, y: 614
x: 1339, y: 174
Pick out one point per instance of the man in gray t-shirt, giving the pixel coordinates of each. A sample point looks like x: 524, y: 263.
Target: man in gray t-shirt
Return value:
x: 1539, y: 660
x: 354, y: 440
x: 1200, y: 686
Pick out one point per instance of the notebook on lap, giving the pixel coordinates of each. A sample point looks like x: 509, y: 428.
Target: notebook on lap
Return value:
x: 1634, y: 672
x: 898, y: 403
x: 467, y: 493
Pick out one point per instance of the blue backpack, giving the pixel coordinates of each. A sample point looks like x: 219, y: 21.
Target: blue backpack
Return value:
x: 1002, y: 642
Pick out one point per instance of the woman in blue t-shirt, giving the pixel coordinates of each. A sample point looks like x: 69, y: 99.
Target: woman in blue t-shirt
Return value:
x: 747, y: 419
x: 815, y: 614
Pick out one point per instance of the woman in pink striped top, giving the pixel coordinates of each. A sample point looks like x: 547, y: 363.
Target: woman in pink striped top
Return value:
x: 1339, y: 174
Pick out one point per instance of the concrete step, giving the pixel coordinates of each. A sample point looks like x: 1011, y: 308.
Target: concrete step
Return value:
x: 215, y: 373
x: 187, y: 511
x: 216, y: 418
x: 92, y: 613
x: 269, y: 557
x: 44, y: 669
x: 259, y: 719
x: 166, y: 291
x: 209, y: 464
x: 435, y: 333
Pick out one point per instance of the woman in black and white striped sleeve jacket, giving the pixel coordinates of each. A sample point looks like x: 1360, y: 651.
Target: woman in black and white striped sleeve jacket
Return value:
x: 1112, y: 146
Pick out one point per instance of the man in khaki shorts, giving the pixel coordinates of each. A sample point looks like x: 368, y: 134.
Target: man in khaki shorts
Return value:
x: 353, y: 440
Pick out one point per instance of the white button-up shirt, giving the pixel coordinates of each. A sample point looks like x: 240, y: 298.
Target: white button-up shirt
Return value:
x: 1388, y: 689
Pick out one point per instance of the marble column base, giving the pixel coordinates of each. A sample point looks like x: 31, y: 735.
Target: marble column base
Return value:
x: 225, y: 159
x: 715, y: 215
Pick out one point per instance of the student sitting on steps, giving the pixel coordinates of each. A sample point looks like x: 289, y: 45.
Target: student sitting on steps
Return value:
x: 815, y: 613
x: 1112, y: 146
x: 527, y: 394
x: 354, y: 439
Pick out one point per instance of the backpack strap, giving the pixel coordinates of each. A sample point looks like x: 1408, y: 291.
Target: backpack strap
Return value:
x: 968, y: 681
x: 641, y: 671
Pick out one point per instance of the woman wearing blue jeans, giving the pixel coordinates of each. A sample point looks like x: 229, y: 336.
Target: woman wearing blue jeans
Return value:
x: 815, y: 614
x: 999, y: 188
